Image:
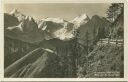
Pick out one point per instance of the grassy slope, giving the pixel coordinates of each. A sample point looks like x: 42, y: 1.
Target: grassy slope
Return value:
x: 104, y: 58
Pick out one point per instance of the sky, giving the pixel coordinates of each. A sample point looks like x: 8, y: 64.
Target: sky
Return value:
x: 67, y: 11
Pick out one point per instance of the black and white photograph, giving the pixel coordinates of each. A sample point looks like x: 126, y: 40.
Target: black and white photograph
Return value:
x: 64, y: 40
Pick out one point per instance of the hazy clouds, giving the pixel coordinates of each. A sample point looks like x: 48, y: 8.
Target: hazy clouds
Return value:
x: 63, y: 10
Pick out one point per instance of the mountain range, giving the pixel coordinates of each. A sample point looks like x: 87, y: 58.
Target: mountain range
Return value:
x: 53, y: 47
x: 26, y: 29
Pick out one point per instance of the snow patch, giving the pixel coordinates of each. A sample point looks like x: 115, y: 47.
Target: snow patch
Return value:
x: 80, y: 20
x: 56, y: 20
x: 62, y: 34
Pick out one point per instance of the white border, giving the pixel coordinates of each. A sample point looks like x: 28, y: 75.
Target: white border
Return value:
x: 64, y: 79
x: 64, y: 1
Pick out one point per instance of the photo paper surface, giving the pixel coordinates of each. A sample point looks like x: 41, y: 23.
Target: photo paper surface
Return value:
x: 65, y: 40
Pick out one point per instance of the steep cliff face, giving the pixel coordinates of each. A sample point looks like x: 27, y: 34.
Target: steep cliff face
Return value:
x: 26, y: 23
x: 21, y: 27
x: 93, y: 30
x: 10, y: 20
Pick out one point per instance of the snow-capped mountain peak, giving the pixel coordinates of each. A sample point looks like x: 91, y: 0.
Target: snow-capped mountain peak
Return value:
x: 17, y: 14
x: 29, y: 18
x: 56, y: 28
x: 56, y: 20
x: 80, y: 19
x: 14, y: 11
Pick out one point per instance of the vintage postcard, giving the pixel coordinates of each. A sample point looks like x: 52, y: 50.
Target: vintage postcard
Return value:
x: 64, y: 40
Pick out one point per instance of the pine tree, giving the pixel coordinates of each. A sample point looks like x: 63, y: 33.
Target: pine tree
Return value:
x: 113, y: 11
x: 94, y: 35
x: 87, y: 34
x: 75, y: 53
